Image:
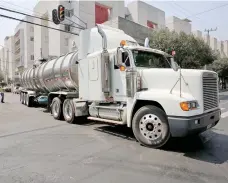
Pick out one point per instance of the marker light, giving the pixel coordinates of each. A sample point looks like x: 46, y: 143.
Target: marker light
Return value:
x: 123, y: 43
x: 122, y: 68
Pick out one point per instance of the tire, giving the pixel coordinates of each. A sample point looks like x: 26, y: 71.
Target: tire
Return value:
x: 150, y: 126
x: 56, y: 108
x: 68, y: 111
x: 30, y: 101
x: 21, y: 98
x: 24, y: 98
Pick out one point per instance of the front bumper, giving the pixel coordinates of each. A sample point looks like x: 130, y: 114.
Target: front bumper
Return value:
x: 183, y: 126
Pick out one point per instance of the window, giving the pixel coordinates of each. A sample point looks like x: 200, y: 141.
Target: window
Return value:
x: 32, y: 57
x: 150, y: 59
x: 151, y: 25
x: 126, y: 59
x: 31, y: 38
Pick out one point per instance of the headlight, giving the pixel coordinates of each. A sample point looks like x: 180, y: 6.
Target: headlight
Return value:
x: 190, y: 105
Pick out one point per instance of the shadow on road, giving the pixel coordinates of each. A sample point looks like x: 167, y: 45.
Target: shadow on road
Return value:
x: 210, y: 146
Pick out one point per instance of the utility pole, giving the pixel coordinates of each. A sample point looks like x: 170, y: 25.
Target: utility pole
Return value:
x: 208, y: 41
x: 208, y: 33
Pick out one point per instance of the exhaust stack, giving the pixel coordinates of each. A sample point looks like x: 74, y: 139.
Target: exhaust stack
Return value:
x: 105, y: 63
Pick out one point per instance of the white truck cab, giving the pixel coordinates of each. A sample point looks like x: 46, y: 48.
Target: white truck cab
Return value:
x: 145, y: 89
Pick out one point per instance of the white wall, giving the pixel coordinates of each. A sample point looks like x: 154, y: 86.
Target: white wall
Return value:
x: 178, y: 25
x: 26, y: 45
x: 213, y: 43
x: 198, y: 34
x: 2, y: 59
x: 226, y: 48
x: 140, y: 12
x: 9, y: 58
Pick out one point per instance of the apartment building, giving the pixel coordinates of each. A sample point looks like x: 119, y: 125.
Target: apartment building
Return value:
x: 24, y: 45
x: 225, y: 46
x: 178, y: 25
x: 145, y: 14
x: 79, y: 15
x: 2, y: 59
x: 198, y: 34
x: 213, y: 43
x: 9, y: 62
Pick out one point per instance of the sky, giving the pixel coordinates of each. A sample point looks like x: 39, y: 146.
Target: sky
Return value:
x: 182, y: 9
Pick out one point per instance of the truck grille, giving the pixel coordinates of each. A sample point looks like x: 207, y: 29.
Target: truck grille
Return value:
x: 210, y: 92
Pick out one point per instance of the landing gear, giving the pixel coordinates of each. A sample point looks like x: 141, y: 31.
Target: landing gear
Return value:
x: 150, y: 126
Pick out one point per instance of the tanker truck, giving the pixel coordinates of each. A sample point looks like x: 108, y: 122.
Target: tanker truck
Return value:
x: 112, y: 79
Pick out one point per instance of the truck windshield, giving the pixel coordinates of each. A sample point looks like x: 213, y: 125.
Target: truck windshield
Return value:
x: 150, y: 59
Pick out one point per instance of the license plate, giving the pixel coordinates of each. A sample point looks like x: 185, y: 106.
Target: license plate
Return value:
x: 209, y: 126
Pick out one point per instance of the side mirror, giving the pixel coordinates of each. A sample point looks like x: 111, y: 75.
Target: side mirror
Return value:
x: 119, y: 57
x: 174, y: 65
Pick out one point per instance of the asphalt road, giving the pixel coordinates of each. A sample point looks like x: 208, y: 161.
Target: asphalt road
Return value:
x: 36, y: 148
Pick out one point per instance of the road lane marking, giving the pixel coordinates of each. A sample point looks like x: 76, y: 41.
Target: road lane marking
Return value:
x: 224, y: 115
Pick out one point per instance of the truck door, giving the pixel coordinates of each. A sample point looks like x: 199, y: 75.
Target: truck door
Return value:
x: 120, y: 78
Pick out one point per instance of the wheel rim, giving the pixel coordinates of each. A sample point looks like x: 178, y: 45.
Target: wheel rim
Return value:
x: 150, y: 127
x: 68, y: 111
x: 55, y: 109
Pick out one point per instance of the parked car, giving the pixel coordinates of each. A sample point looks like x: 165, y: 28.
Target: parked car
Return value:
x: 7, y: 89
x: 16, y: 90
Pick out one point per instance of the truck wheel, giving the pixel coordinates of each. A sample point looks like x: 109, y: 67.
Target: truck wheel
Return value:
x: 150, y: 126
x: 21, y: 98
x: 68, y: 111
x: 24, y: 99
x: 56, y: 108
x: 29, y: 101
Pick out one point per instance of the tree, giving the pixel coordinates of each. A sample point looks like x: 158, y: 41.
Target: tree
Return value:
x: 221, y: 67
x: 191, y: 52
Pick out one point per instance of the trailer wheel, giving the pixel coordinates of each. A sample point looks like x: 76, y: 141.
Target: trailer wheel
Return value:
x: 21, y: 97
x: 29, y: 101
x: 68, y: 111
x: 24, y: 99
x: 56, y: 108
x: 150, y: 126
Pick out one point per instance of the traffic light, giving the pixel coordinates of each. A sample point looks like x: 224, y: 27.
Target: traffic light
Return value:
x: 55, y: 18
x: 61, y: 13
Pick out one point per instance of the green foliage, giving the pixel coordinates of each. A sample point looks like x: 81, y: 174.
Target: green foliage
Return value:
x: 191, y: 52
x: 221, y: 67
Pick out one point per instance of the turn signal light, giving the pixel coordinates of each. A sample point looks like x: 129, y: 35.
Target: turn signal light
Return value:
x: 184, y: 106
x: 191, y: 105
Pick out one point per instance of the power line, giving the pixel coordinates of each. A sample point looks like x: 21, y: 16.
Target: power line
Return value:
x: 209, y: 10
x: 200, y: 13
x: 49, y: 15
x: 21, y: 20
x: 13, y: 11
